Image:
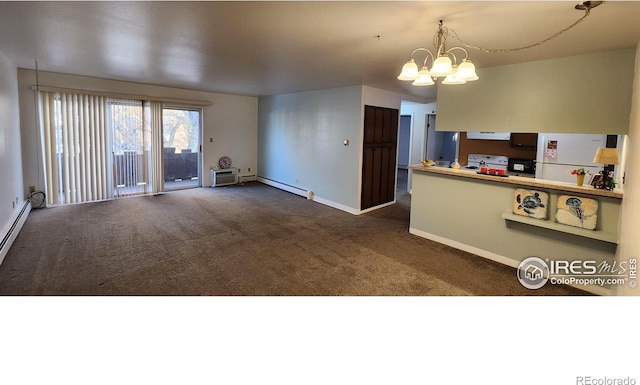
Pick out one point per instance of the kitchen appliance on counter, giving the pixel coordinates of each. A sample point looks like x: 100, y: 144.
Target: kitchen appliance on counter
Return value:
x: 522, y: 167
x: 475, y: 161
x: 558, y: 154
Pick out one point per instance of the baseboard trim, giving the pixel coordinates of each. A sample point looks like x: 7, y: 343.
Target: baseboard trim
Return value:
x: 13, y: 229
x: 374, y: 208
x: 335, y: 205
x: 283, y: 186
x: 496, y: 257
x: 307, y: 194
x: 464, y: 247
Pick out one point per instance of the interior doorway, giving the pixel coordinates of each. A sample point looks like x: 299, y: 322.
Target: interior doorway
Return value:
x: 181, y: 145
x: 404, y: 154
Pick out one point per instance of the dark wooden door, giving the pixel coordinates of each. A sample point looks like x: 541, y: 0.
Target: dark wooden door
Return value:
x: 379, y: 156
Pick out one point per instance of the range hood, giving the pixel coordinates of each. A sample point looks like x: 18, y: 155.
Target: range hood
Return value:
x: 488, y: 135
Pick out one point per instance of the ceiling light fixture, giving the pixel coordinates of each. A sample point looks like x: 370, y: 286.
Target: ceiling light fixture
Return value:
x: 444, y: 63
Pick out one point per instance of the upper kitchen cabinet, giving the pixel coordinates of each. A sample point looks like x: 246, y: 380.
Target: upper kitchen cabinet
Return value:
x: 577, y: 94
x: 522, y: 140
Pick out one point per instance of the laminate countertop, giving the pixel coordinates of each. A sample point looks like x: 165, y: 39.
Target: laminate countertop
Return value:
x: 520, y: 181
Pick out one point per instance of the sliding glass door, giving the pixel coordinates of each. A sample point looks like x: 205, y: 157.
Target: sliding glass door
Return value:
x: 100, y: 148
x: 130, y: 147
x: 181, y: 147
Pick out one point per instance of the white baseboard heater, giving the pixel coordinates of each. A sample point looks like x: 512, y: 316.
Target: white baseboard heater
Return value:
x: 13, y: 229
x: 224, y: 177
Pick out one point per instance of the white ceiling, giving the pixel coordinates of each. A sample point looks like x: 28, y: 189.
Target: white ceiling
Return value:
x: 265, y: 48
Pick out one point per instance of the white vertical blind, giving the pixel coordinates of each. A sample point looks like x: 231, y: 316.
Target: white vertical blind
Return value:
x: 98, y: 148
x: 153, y: 125
x: 48, y: 119
x: 74, y: 129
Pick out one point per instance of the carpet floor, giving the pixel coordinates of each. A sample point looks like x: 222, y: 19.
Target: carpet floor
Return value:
x: 248, y: 240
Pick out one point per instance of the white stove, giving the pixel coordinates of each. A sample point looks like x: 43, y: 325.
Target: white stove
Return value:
x: 475, y: 161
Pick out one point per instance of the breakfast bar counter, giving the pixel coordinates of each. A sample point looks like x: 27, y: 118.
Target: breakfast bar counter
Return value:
x: 521, y: 181
x: 475, y: 213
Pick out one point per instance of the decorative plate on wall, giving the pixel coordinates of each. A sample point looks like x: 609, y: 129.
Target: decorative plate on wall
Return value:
x: 530, y: 203
x: 224, y: 162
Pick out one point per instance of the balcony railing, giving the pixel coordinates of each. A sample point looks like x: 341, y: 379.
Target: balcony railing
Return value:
x: 131, y: 170
x: 180, y: 166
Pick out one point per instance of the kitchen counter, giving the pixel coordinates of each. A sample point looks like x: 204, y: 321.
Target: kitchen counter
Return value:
x: 474, y: 213
x: 522, y: 181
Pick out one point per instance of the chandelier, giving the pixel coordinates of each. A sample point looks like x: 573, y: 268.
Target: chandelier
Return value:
x: 442, y: 64
x: 445, y: 64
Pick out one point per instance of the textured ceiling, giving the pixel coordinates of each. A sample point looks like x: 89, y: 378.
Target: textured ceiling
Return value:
x: 264, y: 48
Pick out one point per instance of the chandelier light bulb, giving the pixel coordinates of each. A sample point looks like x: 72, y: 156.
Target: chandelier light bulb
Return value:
x: 453, y: 78
x: 424, y: 78
x: 409, y: 71
x: 466, y: 71
x: 442, y: 67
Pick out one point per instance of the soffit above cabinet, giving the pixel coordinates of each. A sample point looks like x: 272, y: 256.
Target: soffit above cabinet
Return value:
x: 544, y: 96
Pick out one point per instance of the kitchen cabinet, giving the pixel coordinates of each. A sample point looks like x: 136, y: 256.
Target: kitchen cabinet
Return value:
x: 524, y: 140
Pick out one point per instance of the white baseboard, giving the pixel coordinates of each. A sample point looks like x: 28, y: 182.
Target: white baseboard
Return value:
x: 335, y: 205
x: 283, y: 186
x: 464, y: 247
x: 375, y: 207
x: 495, y: 257
x: 307, y: 194
x: 11, y: 231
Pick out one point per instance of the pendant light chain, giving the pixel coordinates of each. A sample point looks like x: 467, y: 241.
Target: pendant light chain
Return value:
x: 464, y: 43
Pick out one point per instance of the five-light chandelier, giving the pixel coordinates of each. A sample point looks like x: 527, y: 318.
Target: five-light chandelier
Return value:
x: 460, y: 72
x: 442, y: 64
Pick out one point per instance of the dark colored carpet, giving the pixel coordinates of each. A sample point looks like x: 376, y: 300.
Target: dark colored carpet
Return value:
x: 240, y: 240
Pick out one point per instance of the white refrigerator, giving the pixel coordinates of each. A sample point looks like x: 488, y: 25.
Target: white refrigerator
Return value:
x: 558, y: 154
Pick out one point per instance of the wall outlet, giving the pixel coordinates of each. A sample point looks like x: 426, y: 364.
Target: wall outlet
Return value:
x: 249, y: 169
x: 13, y: 204
x: 32, y: 189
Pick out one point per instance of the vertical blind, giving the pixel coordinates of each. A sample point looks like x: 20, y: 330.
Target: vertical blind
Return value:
x: 98, y: 148
x: 153, y: 119
x: 76, y: 145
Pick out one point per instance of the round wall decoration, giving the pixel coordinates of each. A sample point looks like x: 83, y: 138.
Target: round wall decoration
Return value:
x: 224, y: 162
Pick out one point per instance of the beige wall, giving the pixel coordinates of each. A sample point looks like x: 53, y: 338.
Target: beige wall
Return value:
x: 630, y: 217
x: 466, y: 213
x: 569, y: 95
x: 10, y: 150
x: 231, y: 120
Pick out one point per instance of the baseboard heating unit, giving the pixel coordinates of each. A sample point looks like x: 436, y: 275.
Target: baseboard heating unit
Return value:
x: 12, y: 230
x: 286, y: 187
